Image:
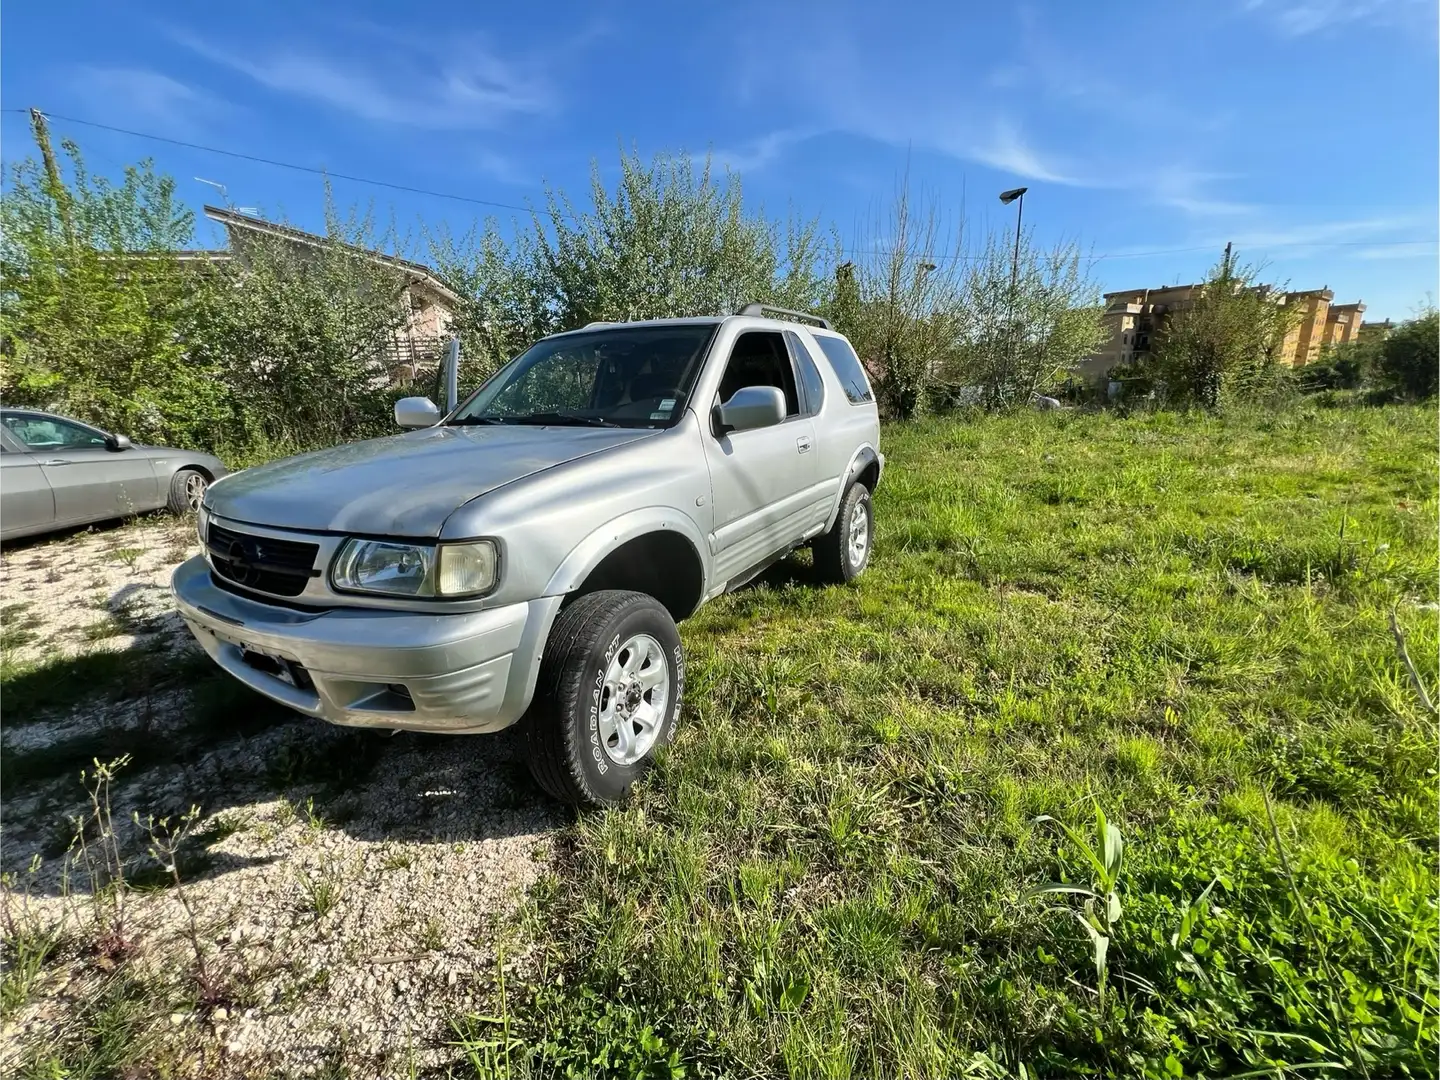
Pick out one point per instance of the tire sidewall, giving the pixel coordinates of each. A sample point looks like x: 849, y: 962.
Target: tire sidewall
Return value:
x: 179, y: 496
x: 858, y: 503
x: 606, y: 779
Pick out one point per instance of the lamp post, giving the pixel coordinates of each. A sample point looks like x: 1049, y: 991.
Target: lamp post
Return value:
x: 1015, y: 195
x: 1007, y: 197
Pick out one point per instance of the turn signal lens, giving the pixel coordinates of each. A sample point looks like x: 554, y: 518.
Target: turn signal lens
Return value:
x: 466, y: 569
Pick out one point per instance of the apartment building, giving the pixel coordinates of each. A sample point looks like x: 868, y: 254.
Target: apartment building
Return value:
x: 1134, y: 316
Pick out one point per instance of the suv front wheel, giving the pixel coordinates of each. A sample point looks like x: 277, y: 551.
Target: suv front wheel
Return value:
x: 843, y: 552
x: 607, y: 697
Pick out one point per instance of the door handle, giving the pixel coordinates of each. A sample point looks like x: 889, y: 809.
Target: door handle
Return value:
x: 56, y: 461
x: 803, y: 444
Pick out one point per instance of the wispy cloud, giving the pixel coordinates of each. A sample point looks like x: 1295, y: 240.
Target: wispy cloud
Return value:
x: 757, y: 154
x: 403, y: 85
x: 144, y: 97
x: 1419, y: 250
x: 501, y: 167
x: 1298, y: 18
x: 1357, y: 231
x: 1007, y: 150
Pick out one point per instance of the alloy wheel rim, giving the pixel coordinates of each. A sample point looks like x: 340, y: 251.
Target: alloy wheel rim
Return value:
x: 195, y: 486
x: 859, y: 542
x: 633, y: 699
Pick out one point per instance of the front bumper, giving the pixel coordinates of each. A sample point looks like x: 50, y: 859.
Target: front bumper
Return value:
x: 464, y: 672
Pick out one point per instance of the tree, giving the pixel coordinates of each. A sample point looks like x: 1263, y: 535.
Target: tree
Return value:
x: 96, y: 314
x: 1408, y: 363
x: 1020, y: 338
x: 301, y: 336
x: 1224, y: 347
x: 898, y: 300
x: 670, y: 241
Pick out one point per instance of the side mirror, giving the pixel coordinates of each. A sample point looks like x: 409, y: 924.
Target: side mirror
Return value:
x: 118, y: 442
x: 416, y: 412
x: 751, y: 407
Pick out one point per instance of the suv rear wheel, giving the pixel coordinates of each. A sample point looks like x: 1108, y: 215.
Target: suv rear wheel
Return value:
x: 607, y: 698
x: 843, y: 552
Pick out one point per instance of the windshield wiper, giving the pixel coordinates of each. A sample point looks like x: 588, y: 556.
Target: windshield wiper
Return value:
x: 461, y: 420
x: 561, y: 418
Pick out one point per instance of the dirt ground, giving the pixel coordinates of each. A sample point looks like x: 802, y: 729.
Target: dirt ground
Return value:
x: 348, y: 892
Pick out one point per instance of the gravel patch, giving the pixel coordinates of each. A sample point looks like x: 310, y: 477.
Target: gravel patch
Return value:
x: 350, y: 893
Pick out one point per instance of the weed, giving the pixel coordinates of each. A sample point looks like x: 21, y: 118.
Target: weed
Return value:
x: 101, y: 629
x: 1102, y: 909
x: 397, y: 859
x: 431, y: 935
x: 321, y: 893
x: 130, y: 556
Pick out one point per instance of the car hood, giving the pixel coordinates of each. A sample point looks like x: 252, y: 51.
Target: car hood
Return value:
x: 403, y: 485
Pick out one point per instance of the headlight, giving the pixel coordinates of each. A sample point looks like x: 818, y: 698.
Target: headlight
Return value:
x: 202, y: 523
x: 415, y: 570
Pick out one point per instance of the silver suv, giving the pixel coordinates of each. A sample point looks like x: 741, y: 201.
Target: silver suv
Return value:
x: 528, y: 555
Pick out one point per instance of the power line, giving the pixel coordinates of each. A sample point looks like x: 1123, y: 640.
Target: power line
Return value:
x: 529, y: 209
x: 283, y: 164
x: 1173, y: 251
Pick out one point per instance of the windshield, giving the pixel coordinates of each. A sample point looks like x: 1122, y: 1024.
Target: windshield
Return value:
x: 636, y: 377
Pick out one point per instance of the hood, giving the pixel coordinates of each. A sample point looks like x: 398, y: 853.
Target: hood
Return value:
x: 403, y: 485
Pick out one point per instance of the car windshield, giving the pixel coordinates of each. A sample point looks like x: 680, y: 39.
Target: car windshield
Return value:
x: 622, y: 377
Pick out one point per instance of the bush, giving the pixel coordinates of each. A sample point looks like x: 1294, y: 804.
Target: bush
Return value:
x: 1409, y: 360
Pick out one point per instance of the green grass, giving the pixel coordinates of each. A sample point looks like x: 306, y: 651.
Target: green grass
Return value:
x: 1169, y: 616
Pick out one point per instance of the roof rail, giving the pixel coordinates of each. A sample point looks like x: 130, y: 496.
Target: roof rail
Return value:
x: 797, y: 316
x: 600, y: 322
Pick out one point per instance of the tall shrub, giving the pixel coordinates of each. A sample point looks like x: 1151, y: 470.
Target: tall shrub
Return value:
x: 1408, y: 363
x: 899, y: 298
x: 1026, y: 320
x: 672, y: 239
x: 96, y: 314
x: 304, y: 336
x: 1223, y: 348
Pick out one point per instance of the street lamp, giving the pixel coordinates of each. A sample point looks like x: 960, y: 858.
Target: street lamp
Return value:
x: 1017, y: 196
x: 1007, y: 197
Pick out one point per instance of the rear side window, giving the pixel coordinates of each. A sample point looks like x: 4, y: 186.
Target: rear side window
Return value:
x: 847, y: 368
x: 812, y: 386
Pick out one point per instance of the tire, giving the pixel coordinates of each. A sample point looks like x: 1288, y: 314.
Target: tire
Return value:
x: 595, y: 665
x: 843, y: 553
x: 187, y: 489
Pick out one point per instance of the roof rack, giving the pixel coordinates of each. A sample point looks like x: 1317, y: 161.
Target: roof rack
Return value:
x: 798, y: 316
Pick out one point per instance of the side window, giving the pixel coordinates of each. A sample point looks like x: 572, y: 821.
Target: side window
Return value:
x: 42, y: 433
x: 847, y: 368
x: 810, y: 381
x: 759, y: 358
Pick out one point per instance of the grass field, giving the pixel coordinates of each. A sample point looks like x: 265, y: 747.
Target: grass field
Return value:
x: 1174, y: 621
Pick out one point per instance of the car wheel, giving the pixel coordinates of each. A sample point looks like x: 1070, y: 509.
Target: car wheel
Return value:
x: 187, y: 491
x: 843, y: 552
x: 607, y: 697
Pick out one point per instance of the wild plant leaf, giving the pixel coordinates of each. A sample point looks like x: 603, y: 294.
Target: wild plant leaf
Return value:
x: 1192, y: 910
x: 1056, y: 887
x: 1078, y: 841
x: 795, y: 994
x: 1112, y: 908
x: 1113, y: 847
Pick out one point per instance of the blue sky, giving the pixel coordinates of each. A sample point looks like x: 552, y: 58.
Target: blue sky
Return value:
x: 1303, y: 130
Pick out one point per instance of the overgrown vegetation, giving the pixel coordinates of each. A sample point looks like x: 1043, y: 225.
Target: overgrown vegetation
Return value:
x: 1181, y: 619
x: 1222, y: 349
x: 284, y: 346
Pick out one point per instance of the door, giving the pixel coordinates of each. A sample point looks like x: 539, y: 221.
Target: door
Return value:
x: 26, y: 502
x: 764, y: 482
x: 90, y: 481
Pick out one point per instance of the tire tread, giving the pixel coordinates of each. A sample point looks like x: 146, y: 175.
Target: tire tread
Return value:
x: 550, y: 721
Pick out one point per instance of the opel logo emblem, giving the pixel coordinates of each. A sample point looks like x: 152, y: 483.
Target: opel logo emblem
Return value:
x: 241, y: 567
